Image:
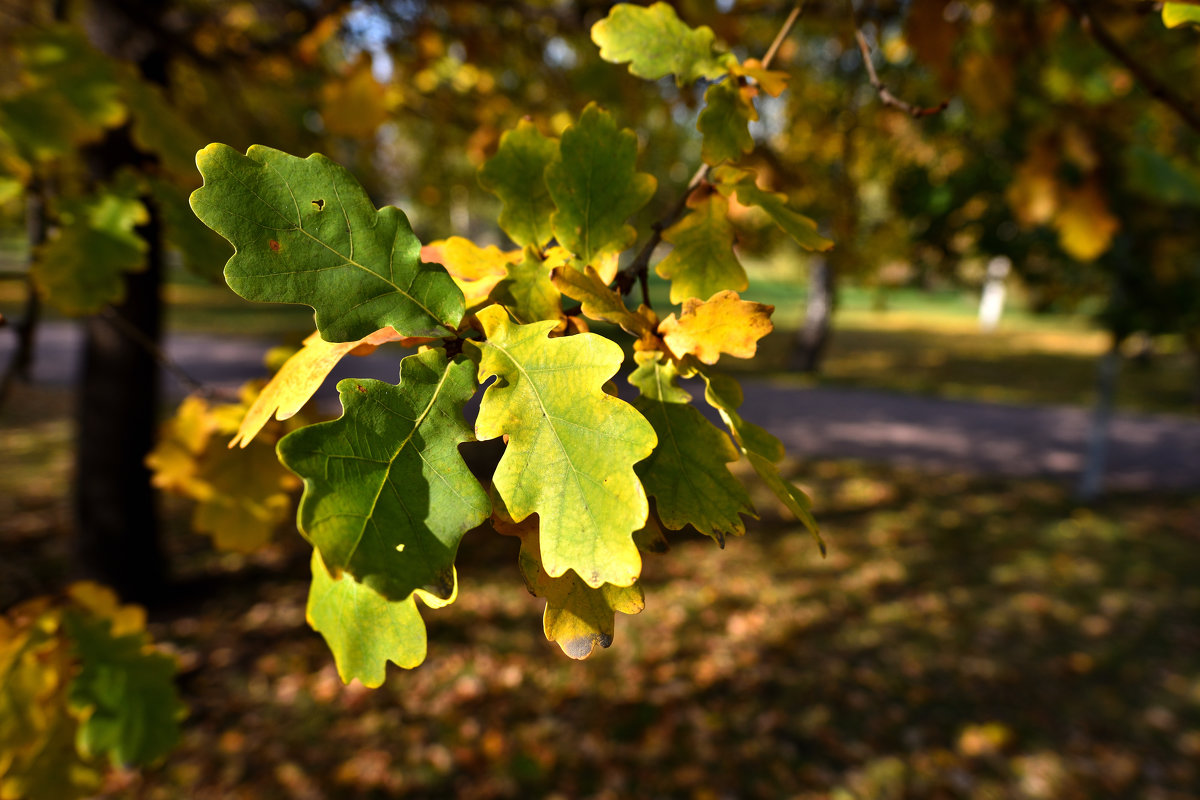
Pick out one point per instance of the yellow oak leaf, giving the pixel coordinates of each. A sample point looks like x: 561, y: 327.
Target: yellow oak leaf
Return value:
x: 1085, y: 225
x: 476, y: 270
x: 771, y: 81
x: 300, y: 377
x: 723, y: 324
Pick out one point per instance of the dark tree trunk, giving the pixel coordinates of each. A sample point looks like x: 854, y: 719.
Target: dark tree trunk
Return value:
x: 813, y: 338
x: 116, y: 511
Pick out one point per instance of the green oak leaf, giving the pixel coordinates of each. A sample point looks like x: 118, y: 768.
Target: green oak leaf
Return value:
x: 125, y: 692
x: 656, y: 43
x: 82, y: 267
x: 571, y: 447
x: 578, y: 617
x: 516, y: 174
x: 725, y: 123
x: 761, y: 449
x: 802, y: 229
x: 686, y: 474
x: 1176, y: 14
x: 527, y: 291
x: 387, y: 497
x: 364, y: 629
x: 702, y: 262
x: 304, y: 231
x: 595, y: 186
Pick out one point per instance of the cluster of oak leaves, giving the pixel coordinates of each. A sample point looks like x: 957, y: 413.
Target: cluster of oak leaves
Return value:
x: 387, y: 495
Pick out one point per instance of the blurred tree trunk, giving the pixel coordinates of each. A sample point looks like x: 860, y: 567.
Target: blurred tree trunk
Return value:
x: 812, y: 342
x: 116, y: 513
x: 818, y: 315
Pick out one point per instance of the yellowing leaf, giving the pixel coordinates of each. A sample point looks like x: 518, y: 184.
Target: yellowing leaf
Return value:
x: 241, y: 496
x: 595, y: 186
x: 298, y: 380
x: 687, y: 473
x: 527, y: 291
x: 516, y: 174
x: 722, y: 324
x: 1033, y: 194
x: 355, y: 105
x: 1085, y: 225
x: 702, y: 261
x: 82, y: 267
x: 597, y: 300
x: 364, y: 629
x: 803, y: 230
x: 725, y: 122
x: 656, y: 43
x: 548, y: 400
x: 476, y: 270
x: 578, y: 617
x: 102, y: 602
x: 773, y: 82
x: 387, y: 496
x: 1176, y: 14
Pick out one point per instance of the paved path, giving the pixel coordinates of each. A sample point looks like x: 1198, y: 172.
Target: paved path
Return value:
x: 987, y: 438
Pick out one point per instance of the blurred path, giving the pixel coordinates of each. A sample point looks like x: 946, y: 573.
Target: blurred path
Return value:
x: 1146, y: 451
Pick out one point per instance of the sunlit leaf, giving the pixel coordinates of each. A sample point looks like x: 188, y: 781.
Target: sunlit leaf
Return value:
x: 304, y: 231
x: 516, y: 174
x: 598, y: 301
x: 1176, y: 14
x: 722, y: 324
x: 527, y: 291
x: 364, y: 629
x: 1085, y: 225
x: 595, y: 186
x: 687, y: 474
x: 702, y: 262
x: 656, y: 43
x: 547, y: 399
x: 476, y: 270
x: 387, y: 496
x: 771, y: 81
x: 299, y: 378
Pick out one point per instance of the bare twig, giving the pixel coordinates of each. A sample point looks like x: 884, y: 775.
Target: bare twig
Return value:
x: 194, y: 385
x: 1183, y: 108
x: 637, y: 271
x: 885, y: 95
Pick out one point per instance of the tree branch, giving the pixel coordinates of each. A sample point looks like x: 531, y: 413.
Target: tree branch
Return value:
x: 885, y: 96
x: 1183, y: 108
x: 637, y: 271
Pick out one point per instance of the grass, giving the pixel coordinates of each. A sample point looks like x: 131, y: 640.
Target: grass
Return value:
x: 965, y: 638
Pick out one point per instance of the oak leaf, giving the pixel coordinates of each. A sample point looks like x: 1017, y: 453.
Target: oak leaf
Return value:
x: 702, y: 261
x: 656, y: 43
x: 304, y: 231
x: 725, y: 122
x: 516, y: 174
x: 722, y: 324
x: 571, y: 447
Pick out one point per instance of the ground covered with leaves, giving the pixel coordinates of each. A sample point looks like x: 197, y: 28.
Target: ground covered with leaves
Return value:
x: 964, y: 639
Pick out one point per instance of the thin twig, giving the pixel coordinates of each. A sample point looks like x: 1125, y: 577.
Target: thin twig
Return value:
x: 637, y: 271
x: 1183, y: 108
x: 194, y: 385
x: 885, y: 96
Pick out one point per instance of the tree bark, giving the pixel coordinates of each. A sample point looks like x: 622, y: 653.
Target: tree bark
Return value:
x: 813, y: 339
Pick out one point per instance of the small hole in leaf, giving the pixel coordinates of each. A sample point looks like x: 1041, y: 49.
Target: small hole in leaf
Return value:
x: 320, y: 204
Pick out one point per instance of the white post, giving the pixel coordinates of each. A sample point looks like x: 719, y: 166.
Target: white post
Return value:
x: 991, y: 304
